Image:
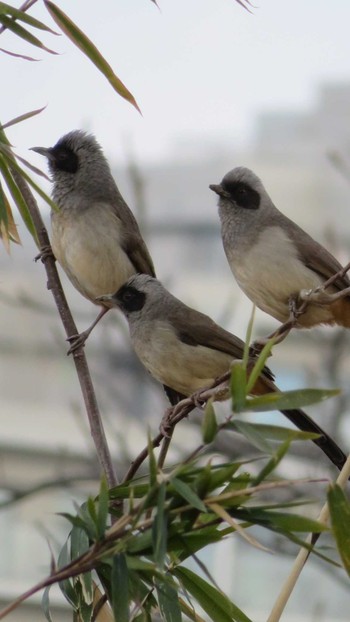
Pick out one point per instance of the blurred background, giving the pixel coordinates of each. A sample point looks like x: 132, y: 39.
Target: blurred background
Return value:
x: 218, y: 87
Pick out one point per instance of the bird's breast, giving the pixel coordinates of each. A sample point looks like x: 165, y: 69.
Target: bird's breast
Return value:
x: 87, y: 244
x: 270, y: 271
x: 182, y: 367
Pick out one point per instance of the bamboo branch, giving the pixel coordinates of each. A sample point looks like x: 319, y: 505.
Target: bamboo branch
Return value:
x: 303, y: 554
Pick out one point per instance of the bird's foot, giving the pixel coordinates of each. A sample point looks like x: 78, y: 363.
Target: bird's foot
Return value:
x: 320, y: 297
x: 77, y: 341
x: 165, y: 424
x: 45, y: 253
x: 198, y: 399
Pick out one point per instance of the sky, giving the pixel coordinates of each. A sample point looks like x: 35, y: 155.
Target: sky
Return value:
x: 201, y: 71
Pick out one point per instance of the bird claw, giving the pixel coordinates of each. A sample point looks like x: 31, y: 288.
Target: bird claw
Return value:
x: 197, y: 399
x: 257, y: 347
x: 45, y: 253
x: 320, y: 297
x: 77, y: 342
x: 165, y: 424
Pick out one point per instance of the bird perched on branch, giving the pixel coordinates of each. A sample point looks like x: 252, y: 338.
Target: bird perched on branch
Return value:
x: 273, y: 260
x: 186, y: 350
x: 95, y: 237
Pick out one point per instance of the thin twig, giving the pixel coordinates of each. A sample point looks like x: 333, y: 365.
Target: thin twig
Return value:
x: 54, y: 284
x: 303, y: 554
x: 175, y: 415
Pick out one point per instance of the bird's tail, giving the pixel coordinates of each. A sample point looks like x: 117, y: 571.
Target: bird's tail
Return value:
x: 325, y: 442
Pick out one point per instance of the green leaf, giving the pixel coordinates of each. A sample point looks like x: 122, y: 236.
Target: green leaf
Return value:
x: 279, y: 521
x: 120, y: 592
x: 84, y: 44
x: 152, y: 463
x: 248, y: 337
x: 271, y: 432
x: 102, y: 508
x: 259, y: 365
x: 18, y: 199
x: 252, y: 434
x: 11, y: 162
x: 66, y: 586
x: 45, y: 603
x: 22, y: 117
x: 339, y: 508
x: 188, y: 494
x: 289, y: 399
x: 238, y: 386
x: 24, y: 17
x: 209, y: 424
x: 160, y: 529
x: 21, y: 32
x: 216, y: 604
x: 79, y: 542
x: 219, y: 476
x: 272, y: 463
x: 168, y: 601
x: 189, y: 543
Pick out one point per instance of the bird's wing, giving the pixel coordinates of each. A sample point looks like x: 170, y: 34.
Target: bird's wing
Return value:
x: 137, y: 251
x: 132, y: 241
x: 317, y: 258
x: 197, y: 329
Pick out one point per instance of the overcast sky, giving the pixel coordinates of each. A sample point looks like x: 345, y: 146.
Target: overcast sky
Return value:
x: 200, y: 70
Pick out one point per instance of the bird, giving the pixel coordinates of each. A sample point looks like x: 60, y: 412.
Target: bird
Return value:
x: 94, y: 235
x: 272, y: 259
x: 186, y: 350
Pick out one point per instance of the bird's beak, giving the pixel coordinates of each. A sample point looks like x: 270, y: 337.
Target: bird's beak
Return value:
x: 107, y: 298
x: 45, y: 151
x: 219, y: 190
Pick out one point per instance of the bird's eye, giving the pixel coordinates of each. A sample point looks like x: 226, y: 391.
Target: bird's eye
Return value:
x: 242, y: 191
x: 128, y: 296
x: 132, y: 299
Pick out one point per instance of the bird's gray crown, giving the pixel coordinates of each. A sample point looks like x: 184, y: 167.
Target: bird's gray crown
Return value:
x: 73, y: 150
x: 242, y: 187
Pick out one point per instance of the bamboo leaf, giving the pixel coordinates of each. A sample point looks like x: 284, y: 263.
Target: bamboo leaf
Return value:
x: 238, y: 386
x: 45, y: 603
x: 23, y: 33
x: 216, y: 604
x: 160, y: 530
x: 267, y: 431
x: 79, y: 39
x: 339, y: 508
x: 209, y: 424
x: 22, y: 117
x: 289, y: 399
x: 188, y: 494
x: 102, y: 509
x: 152, y: 463
x: 168, y: 601
x: 253, y: 435
x: 18, y: 199
x: 120, y: 591
x: 248, y: 337
x: 273, y: 462
x: 24, y: 17
x: 259, y: 365
x: 19, y: 55
x: 8, y: 158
